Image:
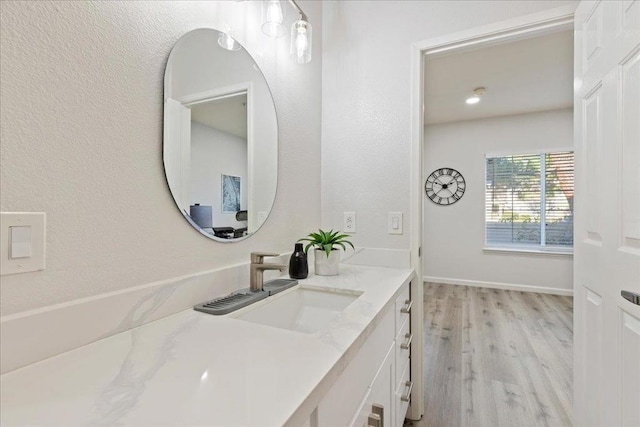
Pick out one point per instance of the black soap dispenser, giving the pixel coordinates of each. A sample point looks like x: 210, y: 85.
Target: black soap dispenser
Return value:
x: 298, y: 267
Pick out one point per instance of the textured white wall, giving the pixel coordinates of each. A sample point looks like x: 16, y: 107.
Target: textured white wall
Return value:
x: 81, y: 139
x: 454, y: 235
x: 366, y: 101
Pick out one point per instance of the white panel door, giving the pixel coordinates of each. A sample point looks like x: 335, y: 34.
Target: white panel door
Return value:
x: 177, y: 151
x: 607, y: 213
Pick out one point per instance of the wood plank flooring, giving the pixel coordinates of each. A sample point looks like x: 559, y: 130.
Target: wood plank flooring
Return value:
x: 496, y: 358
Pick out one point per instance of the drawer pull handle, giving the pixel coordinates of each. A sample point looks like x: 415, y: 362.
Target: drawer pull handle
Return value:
x: 407, y: 309
x: 633, y: 298
x: 376, y: 418
x: 407, y: 397
x: 406, y: 345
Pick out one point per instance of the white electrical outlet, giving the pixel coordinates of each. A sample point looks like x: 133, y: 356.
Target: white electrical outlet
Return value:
x: 395, y: 222
x: 349, y: 223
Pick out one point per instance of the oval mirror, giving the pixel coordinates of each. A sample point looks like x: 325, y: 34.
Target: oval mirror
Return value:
x: 220, y: 147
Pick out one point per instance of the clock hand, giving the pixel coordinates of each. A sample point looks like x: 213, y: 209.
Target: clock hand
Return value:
x: 448, y: 189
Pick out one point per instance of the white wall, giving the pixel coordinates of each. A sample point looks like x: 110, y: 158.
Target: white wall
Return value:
x: 214, y: 153
x: 366, y: 102
x: 81, y: 134
x: 454, y: 235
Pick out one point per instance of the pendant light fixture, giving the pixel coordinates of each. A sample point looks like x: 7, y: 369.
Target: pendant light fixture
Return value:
x: 301, y: 37
x: 272, y: 18
x: 272, y: 26
x: 301, y: 41
x: 226, y: 41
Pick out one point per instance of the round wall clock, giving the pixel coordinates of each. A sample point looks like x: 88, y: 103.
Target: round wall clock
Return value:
x: 445, y: 186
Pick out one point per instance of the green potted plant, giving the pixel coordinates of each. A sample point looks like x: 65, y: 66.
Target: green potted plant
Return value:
x: 326, y: 246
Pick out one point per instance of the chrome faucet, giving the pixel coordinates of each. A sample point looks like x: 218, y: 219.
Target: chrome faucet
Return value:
x: 258, y: 266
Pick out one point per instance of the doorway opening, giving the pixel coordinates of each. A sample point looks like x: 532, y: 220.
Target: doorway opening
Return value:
x: 551, y: 25
x: 498, y: 164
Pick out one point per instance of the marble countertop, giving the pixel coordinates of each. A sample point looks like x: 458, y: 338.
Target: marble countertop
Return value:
x: 197, y: 369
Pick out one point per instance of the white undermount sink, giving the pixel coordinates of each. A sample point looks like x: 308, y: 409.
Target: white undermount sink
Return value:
x: 299, y: 309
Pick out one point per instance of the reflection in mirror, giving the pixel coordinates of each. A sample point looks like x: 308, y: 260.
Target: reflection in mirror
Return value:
x: 220, y: 137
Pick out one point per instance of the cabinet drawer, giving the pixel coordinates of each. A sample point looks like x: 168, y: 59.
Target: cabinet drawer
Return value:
x: 403, y: 307
x: 380, y: 397
x: 404, y: 339
x: 402, y: 397
x: 342, y: 401
x: 363, y: 412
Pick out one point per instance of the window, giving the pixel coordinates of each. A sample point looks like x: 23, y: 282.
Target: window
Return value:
x: 529, y: 201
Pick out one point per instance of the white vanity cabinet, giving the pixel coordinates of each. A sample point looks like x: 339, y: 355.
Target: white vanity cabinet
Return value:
x: 374, y: 389
x: 352, y: 372
x: 403, y: 385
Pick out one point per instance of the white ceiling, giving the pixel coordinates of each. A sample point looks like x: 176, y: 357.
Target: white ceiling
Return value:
x: 523, y: 76
x: 227, y: 114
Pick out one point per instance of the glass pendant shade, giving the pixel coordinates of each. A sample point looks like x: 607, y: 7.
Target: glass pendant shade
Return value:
x: 227, y: 42
x: 272, y: 18
x: 301, y: 42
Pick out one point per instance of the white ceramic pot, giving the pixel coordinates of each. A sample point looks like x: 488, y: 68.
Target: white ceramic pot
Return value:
x: 326, y: 266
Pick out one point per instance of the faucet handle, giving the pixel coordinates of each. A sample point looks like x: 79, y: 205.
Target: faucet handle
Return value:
x: 258, y: 257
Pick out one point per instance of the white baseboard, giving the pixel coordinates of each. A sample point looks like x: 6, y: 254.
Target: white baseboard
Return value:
x: 497, y: 285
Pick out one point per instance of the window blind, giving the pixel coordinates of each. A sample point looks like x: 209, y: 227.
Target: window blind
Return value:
x: 529, y: 200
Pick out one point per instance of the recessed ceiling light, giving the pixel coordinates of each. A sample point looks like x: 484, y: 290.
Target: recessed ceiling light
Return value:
x: 477, y: 93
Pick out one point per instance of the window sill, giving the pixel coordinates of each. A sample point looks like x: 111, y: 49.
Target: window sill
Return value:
x: 562, y: 253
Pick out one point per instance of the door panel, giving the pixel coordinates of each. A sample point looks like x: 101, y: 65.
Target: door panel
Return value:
x: 629, y: 15
x: 630, y: 127
x: 630, y: 366
x: 177, y: 151
x: 593, y: 355
x: 607, y: 213
x: 593, y: 138
x: 592, y: 36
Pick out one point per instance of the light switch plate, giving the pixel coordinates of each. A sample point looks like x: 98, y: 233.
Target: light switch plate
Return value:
x: 35, y: 256
x: 20, y: 242
x: 349, y: 223
x: 395, y: 222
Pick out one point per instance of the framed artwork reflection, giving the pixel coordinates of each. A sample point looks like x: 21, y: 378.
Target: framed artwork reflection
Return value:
x: 231, y: 193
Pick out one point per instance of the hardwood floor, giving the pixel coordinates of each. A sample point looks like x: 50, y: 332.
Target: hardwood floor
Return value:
x: 496, y: 358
